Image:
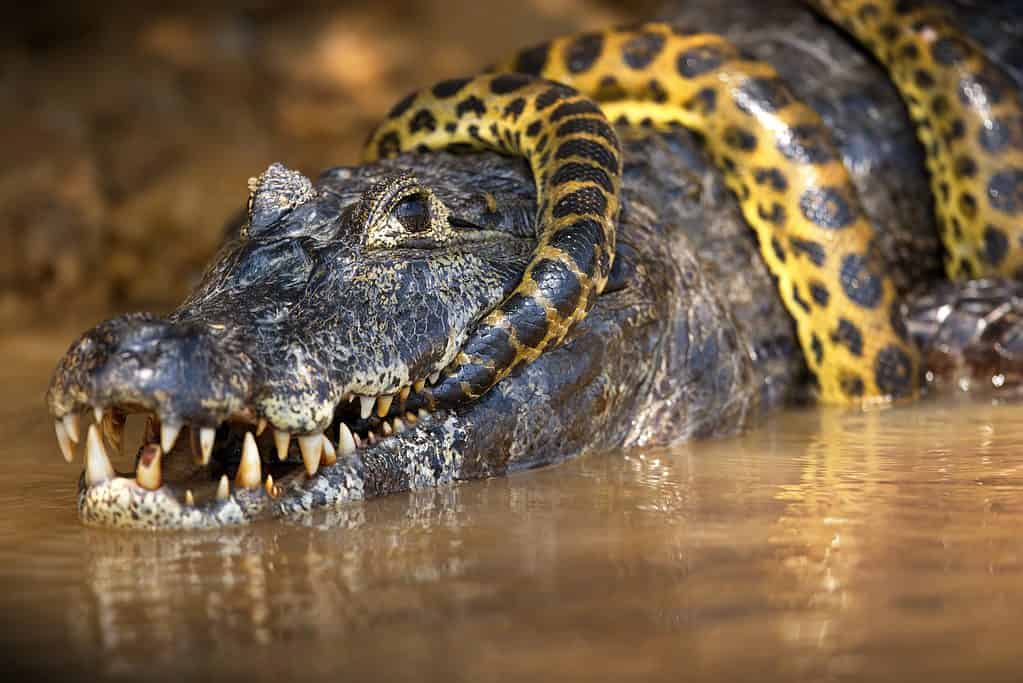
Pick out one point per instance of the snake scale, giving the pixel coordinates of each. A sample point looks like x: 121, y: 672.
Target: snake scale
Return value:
x: 552, y: 104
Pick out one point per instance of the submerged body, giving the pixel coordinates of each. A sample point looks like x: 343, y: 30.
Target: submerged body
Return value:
x: 331, y: 314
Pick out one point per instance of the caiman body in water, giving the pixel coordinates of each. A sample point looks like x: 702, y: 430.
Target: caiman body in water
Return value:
x: 315, y: 331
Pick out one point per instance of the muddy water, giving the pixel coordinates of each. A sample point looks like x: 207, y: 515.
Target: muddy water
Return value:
x: 825, y: 545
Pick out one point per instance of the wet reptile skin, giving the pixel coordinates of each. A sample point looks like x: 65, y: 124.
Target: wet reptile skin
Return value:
x: 370, y: 279
x: 576, y: 162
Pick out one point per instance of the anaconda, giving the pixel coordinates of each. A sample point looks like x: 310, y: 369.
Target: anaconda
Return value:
x: 415, y: 320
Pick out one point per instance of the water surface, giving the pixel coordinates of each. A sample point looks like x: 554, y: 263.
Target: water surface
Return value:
x: 823, y: 545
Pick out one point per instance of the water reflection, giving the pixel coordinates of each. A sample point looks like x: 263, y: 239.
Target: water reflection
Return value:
x: 824, y: 544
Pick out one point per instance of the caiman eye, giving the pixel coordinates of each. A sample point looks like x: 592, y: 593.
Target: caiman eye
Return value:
x: 413, y: 213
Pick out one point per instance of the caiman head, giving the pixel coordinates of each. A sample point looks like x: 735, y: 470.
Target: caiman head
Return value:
x: 308, y: 344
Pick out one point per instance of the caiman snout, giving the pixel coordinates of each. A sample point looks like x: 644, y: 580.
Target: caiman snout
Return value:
x: 184, y: 372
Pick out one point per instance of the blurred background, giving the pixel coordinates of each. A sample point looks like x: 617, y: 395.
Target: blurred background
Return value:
x: 129, y: 129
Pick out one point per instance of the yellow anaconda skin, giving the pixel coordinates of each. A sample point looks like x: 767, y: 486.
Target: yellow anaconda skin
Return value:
x: 575, y: 158
x: 968, y: 116
x: 778, y: 158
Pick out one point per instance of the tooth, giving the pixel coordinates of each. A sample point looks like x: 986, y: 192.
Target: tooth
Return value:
x: 282, y: 440
x: 357, y: 440
x: 147, y: 473
x: 423, y: 414
x: 329, y: 454
x: 399, y: 426
x: 168, y: 435
x: 345, y: 440
x: 386, y: 429
x: 311, y: 446
x: 411, y: 419
x: 249, y: 475
x: 207, y: 435
x: 113, y: 428
x: 366, y: 406
x: 223, y: 488
x: 271, y: 490
x: 384, y: 405
x: 72, y: 424
x: 403, y: 394
x: 434, y: 377
x: 97, y: 465
x: 189, y: 498
x: 372, y: 438
x: 64, y: 441
x: 260, y: 426
x: 97, y: 414
x: 419, y: 385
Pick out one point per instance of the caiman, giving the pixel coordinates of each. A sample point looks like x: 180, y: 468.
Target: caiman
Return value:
x: 554, y: 257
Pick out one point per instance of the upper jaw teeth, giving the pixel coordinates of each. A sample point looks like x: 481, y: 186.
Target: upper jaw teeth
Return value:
x: 161, y: 436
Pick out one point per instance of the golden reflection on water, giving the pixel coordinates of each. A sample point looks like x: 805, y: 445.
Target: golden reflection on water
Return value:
x: 823, y: 545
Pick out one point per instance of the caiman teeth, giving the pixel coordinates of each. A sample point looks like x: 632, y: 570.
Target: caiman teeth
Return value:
x: 311, y: 446
x: 329, y: 456
x: 97, y: 414
x: 189, y: 498
x: 384, y: 405
x: 207, y: 435
x: 403, y: 394
x: 271, y: 490
x: 366, y: 406
x: 72, y: 425
x: 260, y: 426
x: 411, y: 418
x: 223, y: 488
x: 147, y: 473
x: 434, y: 377
x: 386, y: 428
x: 97, y: 465
x: 419, y: 385
x: 345, y: 440
x: 399, y: 426
x: 249, y: 473
x: 64, y: 440
x: 282, y: 440
x: 169, y: 435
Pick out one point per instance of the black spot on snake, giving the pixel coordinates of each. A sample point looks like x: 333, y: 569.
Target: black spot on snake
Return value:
x: 827, y: 207
x: 639, y: 51
x: 449, y: 88
x: 583, y: 52
x: 533, y: 60
x: 860, y: 285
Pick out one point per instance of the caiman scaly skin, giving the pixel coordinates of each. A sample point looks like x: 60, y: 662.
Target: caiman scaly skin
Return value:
x: 324, y: 322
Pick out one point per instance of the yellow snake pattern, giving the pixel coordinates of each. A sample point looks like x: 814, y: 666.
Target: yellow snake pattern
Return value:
x: 776, y: 156
x: 576, y: 161
x: 968, y: 117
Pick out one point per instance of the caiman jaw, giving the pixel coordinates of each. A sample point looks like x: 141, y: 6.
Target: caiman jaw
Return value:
x: 227, y: 475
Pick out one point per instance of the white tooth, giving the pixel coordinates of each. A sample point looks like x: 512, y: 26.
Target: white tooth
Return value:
x: 223, y: 488
x: 403, y: 394
x: 282, y: 440
x: 147, y: 473
x: 260, y: 426
x: 207, y: 435
x: 345, y: 441
x: 357, y: 440
x: 97, y: 465
x: 64, y: 441
x: 169, y: 435
x: 249, y: 475
x: 311, y: 446
x: 399, y: 426
x: 97, y: 414
x: 411, y: 419
x: 72, y: 424
x: 329, y: 454
x: 386, y: 429
x: 271, y: 490
x: 366, y: 406
x: 372, y: 438
x: 384, y: 405
x: 189, y: 498
x: 419, y: 385
x: 423, y: 414
x: 434, y: 377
